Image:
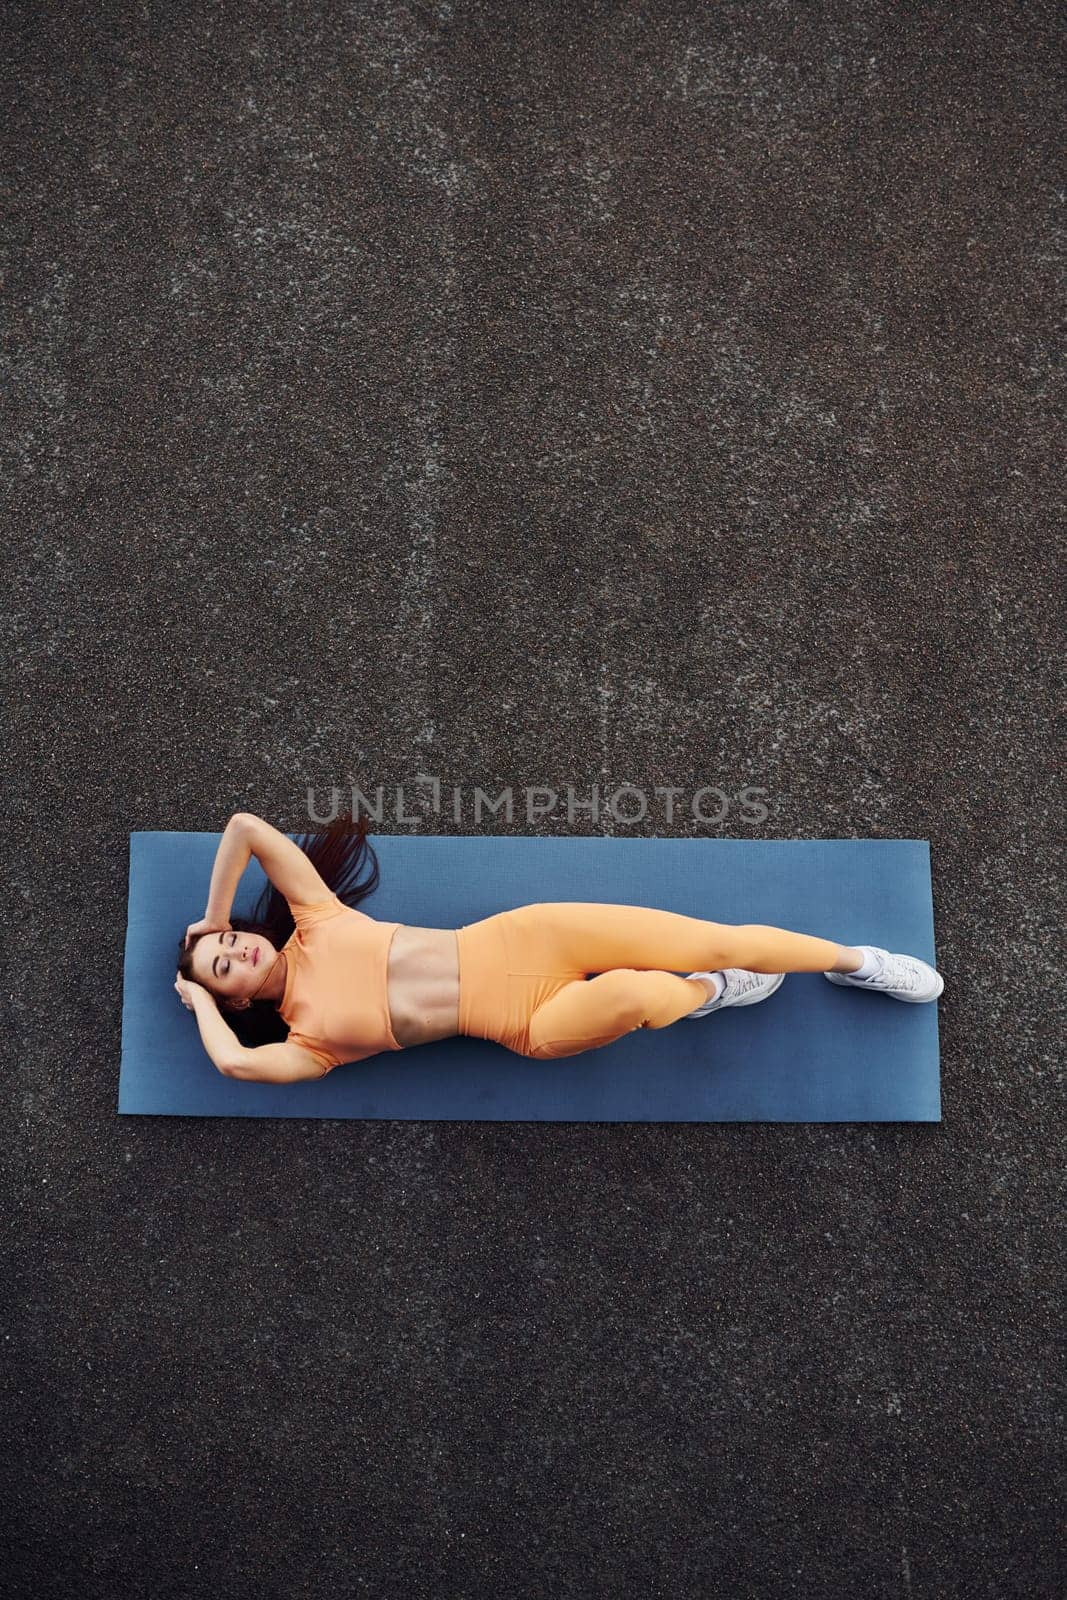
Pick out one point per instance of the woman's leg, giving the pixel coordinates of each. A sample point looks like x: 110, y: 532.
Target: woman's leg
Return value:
x: 635, y: 951
x: 585, y: 936
x: 586, y: 1014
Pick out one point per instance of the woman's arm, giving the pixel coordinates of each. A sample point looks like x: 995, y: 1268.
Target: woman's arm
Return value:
x: 276, y: 1063
x: 231, y: 859
x: 220, y: 1041
x: 282, y: 1062
x: 285, y: 864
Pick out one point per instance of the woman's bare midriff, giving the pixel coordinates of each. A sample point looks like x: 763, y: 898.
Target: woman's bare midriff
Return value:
x: 423, y: 984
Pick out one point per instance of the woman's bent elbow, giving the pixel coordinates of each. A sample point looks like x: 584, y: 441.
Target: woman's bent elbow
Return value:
x: 236, y: 1067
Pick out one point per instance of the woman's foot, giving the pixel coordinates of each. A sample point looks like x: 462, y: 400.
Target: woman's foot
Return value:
x: 740, y: 988
x: 901, y: 977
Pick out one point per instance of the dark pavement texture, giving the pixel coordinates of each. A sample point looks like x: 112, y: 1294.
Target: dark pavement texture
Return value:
x: 664, y: 394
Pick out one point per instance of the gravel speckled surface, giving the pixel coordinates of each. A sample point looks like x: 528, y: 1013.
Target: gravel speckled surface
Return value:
x: 534, y: 395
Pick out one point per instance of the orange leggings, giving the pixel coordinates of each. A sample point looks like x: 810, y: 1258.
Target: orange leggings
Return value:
x: 522, y: 973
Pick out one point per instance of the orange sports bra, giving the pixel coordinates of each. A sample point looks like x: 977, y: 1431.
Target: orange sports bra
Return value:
x: 336, y: 998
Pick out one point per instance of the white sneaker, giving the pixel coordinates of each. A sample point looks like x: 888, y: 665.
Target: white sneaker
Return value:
x: 742, y: 989
x: 900, y: 977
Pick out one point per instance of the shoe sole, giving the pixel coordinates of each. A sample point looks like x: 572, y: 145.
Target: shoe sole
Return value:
x: 893, y: 994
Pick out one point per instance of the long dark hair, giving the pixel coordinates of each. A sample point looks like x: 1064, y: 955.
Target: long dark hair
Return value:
x: 339, y: 853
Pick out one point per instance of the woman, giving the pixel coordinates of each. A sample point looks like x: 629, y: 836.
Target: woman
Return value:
x: 545, y: 980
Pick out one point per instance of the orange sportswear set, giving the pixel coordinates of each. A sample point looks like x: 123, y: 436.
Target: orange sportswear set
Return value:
x: 545, y: 980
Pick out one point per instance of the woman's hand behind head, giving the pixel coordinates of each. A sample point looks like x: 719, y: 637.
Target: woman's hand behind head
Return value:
x: 188, y: 990
x: 205, y: 926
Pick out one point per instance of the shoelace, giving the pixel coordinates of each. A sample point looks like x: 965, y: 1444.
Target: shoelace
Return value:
x: 743, y: 984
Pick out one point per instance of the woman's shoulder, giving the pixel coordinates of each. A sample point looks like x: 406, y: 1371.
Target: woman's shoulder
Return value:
x: 309, y: 913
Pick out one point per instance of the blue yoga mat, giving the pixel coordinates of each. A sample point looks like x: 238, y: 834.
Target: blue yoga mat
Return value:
x: 813, y: 1052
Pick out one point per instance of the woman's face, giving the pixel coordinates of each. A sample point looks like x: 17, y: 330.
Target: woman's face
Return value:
x: 233, y: 965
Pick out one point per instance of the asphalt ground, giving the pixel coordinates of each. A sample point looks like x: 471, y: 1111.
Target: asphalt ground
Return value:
x: 534, y: 395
